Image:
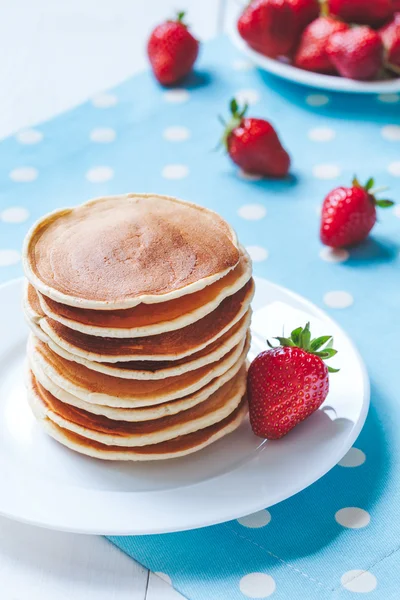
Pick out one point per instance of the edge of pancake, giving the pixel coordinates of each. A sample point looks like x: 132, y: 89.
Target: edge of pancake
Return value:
x: 45, y: 324
x: 156, y: 328
x: 238, y: 356
x: 103, y: 452
x: 128, y: 303
x: 232, y: 397
x: 112, y: 370
x: 136, y: 415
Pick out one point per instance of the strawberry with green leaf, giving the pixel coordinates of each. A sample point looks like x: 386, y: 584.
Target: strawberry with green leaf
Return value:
x: 289, y: 382
x: 349, y: 214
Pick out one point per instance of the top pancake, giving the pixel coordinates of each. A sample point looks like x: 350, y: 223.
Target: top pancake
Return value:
x: 149, y: 319
x: 119, y: 251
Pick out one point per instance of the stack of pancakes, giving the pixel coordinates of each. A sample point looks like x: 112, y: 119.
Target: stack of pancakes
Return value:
x: 139, y: 307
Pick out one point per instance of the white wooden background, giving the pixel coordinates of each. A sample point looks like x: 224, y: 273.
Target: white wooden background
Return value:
x: 54, y: 54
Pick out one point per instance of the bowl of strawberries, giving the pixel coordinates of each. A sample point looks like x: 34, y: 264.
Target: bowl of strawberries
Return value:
x: 341, y: 45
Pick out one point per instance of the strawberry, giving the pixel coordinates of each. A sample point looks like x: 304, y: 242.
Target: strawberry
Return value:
x: 253, y: 144
x: 356, y: 53
x: 268, y: 26
x: 305, y: 11
x: 396, y: 5
x: 349, y: 214
x: 390, y: 35
x: 172, y: 51
x: 362, y: 12
x: 286, y: 384
x: 311, y: 54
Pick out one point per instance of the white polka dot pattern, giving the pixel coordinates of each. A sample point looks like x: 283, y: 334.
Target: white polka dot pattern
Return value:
x: 257, y: 253
x: 176, y: 134
x: 389, y: 98
x: 354, y: 458
x: 24, y: 174
x: 29, y: 136
x: 9, y: 257
x: 394, y: 168
x: 252, y: 212
x: 100, y: 174
x: 391, y: 133
x: 334, y: 255
x: 103, y: 135
x: 358, y: 581
x: 249, y: 97
x: 14, y: 214
x: 176, y: 96
x: 321, y: 134
x: 257, y: 585
x: 175, y: 171
x: 256, y: 520
x: 326, y: 171
x: 317, y: 100
x: 352, y: 517
x: 338, y: 299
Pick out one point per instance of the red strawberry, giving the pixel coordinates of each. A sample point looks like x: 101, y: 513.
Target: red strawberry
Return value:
x: 253, y: 144
x: 356, y: 53
x: 268, y: 26
x: 172, y: 51
x: 287, y: 384
x: 396, y: 5
x: 349, y: 214
x: 311, y: 53
x: 305, y: 11
x: 362, y: 12
x: 390, y: 35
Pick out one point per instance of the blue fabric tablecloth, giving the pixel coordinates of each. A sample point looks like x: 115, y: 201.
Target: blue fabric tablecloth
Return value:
x: 139, y: 137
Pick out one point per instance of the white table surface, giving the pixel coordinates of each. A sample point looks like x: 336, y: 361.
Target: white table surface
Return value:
x: 56, y: 54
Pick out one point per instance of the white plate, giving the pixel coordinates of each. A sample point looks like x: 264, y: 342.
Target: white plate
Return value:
x: 45, y: 484
x: 315, y: 80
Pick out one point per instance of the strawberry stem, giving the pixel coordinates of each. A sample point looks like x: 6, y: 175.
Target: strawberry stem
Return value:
x: 301, y: 338
x: 179, y: 18
x: 235, y: 121
x: 324, y: 8
x: 369, y: 187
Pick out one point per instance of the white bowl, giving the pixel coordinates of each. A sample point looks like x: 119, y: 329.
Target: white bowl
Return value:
x: 315, y: 80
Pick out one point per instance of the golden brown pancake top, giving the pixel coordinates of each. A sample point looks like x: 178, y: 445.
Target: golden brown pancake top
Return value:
x: 148, y: 314
x: 119, y: 248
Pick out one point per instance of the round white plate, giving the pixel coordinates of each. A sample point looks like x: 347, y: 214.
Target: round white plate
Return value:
x: 46, y: 484
x: 315, y: 80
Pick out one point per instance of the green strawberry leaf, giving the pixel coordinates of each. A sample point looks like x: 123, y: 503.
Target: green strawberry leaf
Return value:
x: 301, y: 338
x: 319, y: 342
x: 384, y: 203
x: 295, y: 335
x: 370, y: 184
x: 332, y: 370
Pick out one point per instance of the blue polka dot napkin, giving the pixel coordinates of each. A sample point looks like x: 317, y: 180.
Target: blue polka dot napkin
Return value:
x: 340, y: 537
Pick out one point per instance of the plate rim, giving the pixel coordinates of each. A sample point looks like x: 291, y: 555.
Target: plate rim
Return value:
x: 231, y: 514
x: 308, y: 78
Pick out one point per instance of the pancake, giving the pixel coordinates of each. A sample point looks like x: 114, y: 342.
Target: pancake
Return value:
x: 121, y: 433
x: 180, y: 446
x: 98, y: 388
x: 160, y: 369
x: 172, y: 345
x: 135, y: 414
x: 150, y: 319
x: 33, y: 312
x: 117, y: 252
